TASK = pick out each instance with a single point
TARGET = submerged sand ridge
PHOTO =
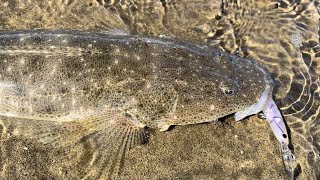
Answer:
(260, 30)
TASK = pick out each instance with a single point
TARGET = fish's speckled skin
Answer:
(65, 75)
(111, 82)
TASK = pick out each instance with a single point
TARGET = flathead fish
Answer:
(110, 87)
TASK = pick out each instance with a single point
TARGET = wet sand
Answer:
(232, 150)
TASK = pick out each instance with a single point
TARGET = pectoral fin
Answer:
(113, 134)
(110, 135)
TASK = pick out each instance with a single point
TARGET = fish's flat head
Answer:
(224, 85)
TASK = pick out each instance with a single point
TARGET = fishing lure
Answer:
(276, 122)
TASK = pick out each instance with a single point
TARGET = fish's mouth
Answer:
(257, 107)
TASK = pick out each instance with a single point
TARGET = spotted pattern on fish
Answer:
(115, 85)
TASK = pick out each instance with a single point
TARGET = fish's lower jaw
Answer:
(257, 107)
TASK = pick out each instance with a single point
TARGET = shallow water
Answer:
(281, 35)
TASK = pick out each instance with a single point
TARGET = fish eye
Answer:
(229, 92)
(228, 89)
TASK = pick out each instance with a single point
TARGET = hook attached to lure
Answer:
(274, 117)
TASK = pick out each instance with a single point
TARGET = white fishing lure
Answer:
(275, 119)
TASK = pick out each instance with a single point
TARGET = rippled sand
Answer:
(284, 37)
